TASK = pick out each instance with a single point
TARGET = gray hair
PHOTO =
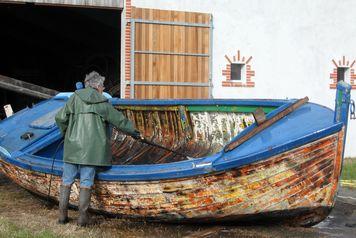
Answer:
(94, 80)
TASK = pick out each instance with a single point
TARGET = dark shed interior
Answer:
(55, 47)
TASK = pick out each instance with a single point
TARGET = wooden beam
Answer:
(116, 4)
(266, 124)
(26, 88)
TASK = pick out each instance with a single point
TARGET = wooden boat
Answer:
(285, 168)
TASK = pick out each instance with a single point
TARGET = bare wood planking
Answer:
(177, 16)
(164, 92)
(171, 68)
(166, 62)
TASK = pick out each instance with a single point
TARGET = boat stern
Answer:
(342, 104)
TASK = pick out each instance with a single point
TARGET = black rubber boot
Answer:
(84, 202)
(64, 193)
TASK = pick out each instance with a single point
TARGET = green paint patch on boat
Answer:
(148, 108)
(198, 108)
(218, 108)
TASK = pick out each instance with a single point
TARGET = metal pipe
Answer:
(132, 59)
(170, 53)
(211, 57)
(172, 23)
(171, 83)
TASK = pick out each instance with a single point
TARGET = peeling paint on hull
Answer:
(298, 186)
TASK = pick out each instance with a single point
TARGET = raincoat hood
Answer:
(90, 96)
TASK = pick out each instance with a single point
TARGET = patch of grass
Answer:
(349, 169)
(10, 230)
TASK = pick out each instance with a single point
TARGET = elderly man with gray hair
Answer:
(84, 123)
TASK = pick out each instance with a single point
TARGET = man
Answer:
(84, 122)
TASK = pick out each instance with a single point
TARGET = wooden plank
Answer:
(164, 92)
(178, 16)
(26, 88)
(266, 124)
(119, 4)
(165, 70)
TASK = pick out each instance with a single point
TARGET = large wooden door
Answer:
(170, 54)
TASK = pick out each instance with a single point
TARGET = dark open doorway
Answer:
(55, 47)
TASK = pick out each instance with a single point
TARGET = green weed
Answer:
(349, 169)
(10, 230)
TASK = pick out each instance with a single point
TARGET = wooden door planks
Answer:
(150, 67)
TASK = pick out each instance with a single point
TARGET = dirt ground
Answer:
(20, 209)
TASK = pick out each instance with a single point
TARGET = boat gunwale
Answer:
(25, 157)
(184, 102)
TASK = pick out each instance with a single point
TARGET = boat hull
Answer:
(297, 187)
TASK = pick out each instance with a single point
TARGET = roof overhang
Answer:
(116, 4)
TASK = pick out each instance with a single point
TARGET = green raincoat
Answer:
(84, 121)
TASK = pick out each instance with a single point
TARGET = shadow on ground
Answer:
(29, 212)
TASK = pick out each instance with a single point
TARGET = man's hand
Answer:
(137, 135)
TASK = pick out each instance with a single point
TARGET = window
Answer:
(343, 74)
(237, 72)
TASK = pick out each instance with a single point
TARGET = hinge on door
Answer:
(352, 110)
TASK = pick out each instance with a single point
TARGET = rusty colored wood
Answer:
(297, 186)
(266, 124)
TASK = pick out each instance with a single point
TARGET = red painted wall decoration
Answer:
(248, 73)
(347, 68)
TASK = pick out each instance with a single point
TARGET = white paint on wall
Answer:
(292, 44)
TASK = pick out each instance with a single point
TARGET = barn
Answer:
(180, 49)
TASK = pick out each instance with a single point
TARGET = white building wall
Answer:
(292, 44)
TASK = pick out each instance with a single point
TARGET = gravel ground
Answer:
(26, 211)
